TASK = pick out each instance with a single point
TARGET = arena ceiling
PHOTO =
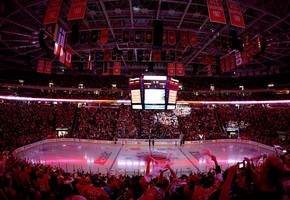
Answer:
(24, 39)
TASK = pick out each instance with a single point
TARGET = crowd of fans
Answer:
(27, 122)
(263, 177)
(24, 122)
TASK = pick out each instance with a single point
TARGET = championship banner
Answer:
(157, 55)
(68, 56)
(117, 68)
(104, 36)
(138, 36)
(164, 39)
(171, 69)
(126, 36)
(179, 69)
(148, 36)
(40, 65)
(192, 38)
(48, 66)
(183, 38)
(107, 55)
(236, 15)
(171, 38)
(77, 9)
(216, 11)
(106, 68)
(52, 12)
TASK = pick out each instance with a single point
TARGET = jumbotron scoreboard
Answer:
(153, 92)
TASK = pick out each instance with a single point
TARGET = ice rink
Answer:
(130, 159)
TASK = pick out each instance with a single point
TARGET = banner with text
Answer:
(216, 11)
(236, 15)
(52, 12)
(77, 9)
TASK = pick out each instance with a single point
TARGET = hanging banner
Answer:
(57, 49)
(171, 38)
(40, 65)
(171, 69)
(157, 55)
(59, 38)
(104, 36)
(62, 56)
(223, 67)
(216, 11)
(164, 39)
(183, 38)
(245, 57)
(236, 15)
(192, 37)
(179, 69)
(232, 61)
(227, 64)
(117, 68)
(77, 9)
(68, 56)
(90, 65)
(239, 59)
(107, 55)
(55, 32)
(126, 36)
(48, 66)
(209, 70)
(52, 12)
(148, 36)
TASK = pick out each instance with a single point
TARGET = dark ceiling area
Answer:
(24, 39)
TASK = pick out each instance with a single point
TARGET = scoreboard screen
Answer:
(172, 93)
(135, 92)
(153, 92)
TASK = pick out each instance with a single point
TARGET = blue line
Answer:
(189, 159)
(115, 158)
